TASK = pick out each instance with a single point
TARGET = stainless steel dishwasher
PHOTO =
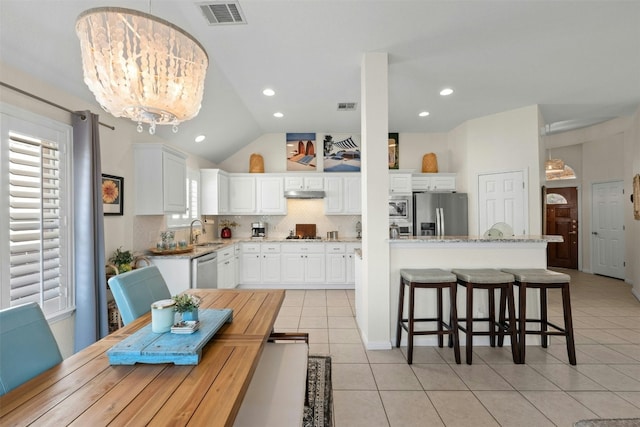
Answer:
(204, 272)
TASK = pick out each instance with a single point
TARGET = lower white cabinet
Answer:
(176, 272)
(250, 263)
(227, 278)
(296, 264)
(336, 262)
(270, 262)
(303, 263)
(260, 263)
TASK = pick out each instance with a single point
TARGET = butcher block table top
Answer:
(85, 389)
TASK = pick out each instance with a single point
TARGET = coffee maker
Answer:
(258, 230)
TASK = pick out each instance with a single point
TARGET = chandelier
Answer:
(141, 67)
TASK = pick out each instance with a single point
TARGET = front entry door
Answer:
(607, 233)
(562, 220)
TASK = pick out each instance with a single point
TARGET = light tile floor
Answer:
(378, 388)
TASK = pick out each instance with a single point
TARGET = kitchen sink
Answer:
(208, 245)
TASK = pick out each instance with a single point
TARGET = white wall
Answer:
(498, 143)
(601, 153)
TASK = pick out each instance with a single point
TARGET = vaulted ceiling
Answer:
(579, 60)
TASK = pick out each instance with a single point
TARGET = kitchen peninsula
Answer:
(459, 252)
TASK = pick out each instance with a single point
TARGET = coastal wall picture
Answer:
(301, 152)
(112, 194)
(341, 152)
(394, 151)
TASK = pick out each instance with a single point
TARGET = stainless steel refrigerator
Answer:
(440, 214)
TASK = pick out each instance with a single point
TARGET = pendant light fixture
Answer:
(141, 67)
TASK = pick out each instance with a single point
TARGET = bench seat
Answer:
(276, 394)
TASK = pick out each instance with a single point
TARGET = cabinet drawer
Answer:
(251, 248)
(296, 248)
(335, 248)
(225, 254)
(270, 248)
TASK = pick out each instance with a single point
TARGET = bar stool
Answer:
(540, 278)
(490, 280)
(430, 278)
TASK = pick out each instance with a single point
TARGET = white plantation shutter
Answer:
(193, 210)
(38, 264)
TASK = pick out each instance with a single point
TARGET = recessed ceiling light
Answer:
(446, 91)
(200, 138)
(278, 114)
(423, 114)
(268, 92)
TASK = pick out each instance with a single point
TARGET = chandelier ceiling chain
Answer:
(141, 67)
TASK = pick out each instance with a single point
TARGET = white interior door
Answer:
(502, 198)
(607, 235)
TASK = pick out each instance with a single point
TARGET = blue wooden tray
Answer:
(145, 346)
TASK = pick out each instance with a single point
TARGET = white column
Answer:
(374, 321)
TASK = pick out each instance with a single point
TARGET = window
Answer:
(193, 209)
(36, 201)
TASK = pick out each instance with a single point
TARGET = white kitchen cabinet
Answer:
(313, 182)
(434, 182)
(336, 262)
(343, 195)
(250, 263)
(176, 272)
(251, 195)
(227, 267)
(399, 183)
(270, 195)
(270, 262)
(242, 194)
(160, 175)
(303, 263)
(260, 263)
(351, 263)
(214, 193)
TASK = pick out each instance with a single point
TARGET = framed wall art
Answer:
(112, 194)
(301, 152)
(341, 153)
(394, 151)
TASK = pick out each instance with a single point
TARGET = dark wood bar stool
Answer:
(490, 280)
(543, 279)
(430, 278)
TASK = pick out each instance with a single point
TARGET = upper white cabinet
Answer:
(304, 182)
(214, 195)
(399, 183)
(242, 194)
(270, 195)
(343, 195)
(251, 194)
(160, 179)
(434, 182)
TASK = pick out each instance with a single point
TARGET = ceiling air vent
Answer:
(222, 13)
(347, 106)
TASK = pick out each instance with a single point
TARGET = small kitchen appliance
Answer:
(258, 230)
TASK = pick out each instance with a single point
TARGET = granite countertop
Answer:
(215, 245)
(478, 239)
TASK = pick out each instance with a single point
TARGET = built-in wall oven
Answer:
(401, 213)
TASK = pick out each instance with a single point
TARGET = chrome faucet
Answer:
(191, 239)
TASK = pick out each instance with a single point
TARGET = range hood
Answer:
(304, 194)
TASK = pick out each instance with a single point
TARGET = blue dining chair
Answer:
(27, 345)
(135, 291)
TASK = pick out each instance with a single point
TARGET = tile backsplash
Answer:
(147, 228)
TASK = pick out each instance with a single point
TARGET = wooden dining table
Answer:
(86, 390)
